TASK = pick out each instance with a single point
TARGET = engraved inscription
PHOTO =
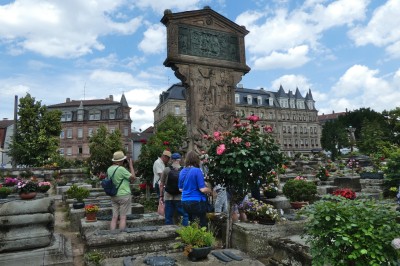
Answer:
(208, 43)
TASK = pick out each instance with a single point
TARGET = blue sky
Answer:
(346, 52)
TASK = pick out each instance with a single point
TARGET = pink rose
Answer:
(268, 129)
(248, 144)
(220, 149)
(253, 118)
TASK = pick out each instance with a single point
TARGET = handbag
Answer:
(161, 208)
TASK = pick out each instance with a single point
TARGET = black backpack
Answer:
(108, 185)
(172, 182)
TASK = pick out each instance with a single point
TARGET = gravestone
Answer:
(207, 53)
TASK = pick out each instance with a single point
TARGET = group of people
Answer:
(181, 189)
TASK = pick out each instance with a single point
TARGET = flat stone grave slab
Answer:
(352, 182)
(75, 215)
(182, 260)
(59, 253)
(134, 220)
(132, 241)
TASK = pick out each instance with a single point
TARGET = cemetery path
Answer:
(62, 226)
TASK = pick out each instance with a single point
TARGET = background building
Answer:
(293, 118)
(81, 118)
(6, 133)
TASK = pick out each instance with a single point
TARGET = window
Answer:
(287, 116)
(69, 151)
(311, 131)
(306, 142)
(90, 132)
(80, 133)
(261, 115)
(242, 113)
(94, 115)
(126, 115)
(315, 130)
(126, 147)
(79, 150)
(237, 98)
(295, 129)
(284, 129)
(111, 129)
(236, 113)
(62, 134)
(291, 103)
(301, 130)
(249, 99)
(270, 116)
(112, 114)
(296, 142)
(259, 100)
(69, 133)
(283, 116)
(312, 142)
(177, 110)
(271, 101)
(305, 129)
(66, 116)
(294, 117)
(288, 129)
(80, 115)
(61, 151)
(126, 131)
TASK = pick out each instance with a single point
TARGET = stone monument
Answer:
(207, 53)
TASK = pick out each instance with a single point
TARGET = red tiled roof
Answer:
(330, 116)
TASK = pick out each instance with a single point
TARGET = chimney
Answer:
(240, 86)
(333, 111)
(262, 89)
(111, 98)
(68, 100)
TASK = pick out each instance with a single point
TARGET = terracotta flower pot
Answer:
(91, 217)
(298, 204)
(27, 196)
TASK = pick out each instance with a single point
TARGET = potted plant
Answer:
(323, 174)
(27, 189)
(43, 186)
(10, 181)
(91, 211)
(270, 191)
(196, 240)
(299, 191)
(4, 192)
(259, 211)
(78, 193)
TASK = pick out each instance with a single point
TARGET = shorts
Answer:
(121, 205)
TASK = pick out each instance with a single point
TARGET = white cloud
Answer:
(154, 40)
(294, 57)
(174, 5)
(382, 30)
(115, 79)
(63, 29)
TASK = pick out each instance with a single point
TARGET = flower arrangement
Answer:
(256, 210)
(194, 236)
(299, 189)
(270, 190)
(353, 165)
(44, 186)
(323, 174)
(91, 208)
(347, 193)
(243, 154)
(10, 181)
(5, 191)
(26, 186)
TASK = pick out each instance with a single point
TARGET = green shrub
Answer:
(78, 193)
(299, 190)
(194, 236)
(94, 257)
(351, 232)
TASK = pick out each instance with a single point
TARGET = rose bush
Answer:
(240, 159)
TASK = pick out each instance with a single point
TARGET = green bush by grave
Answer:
(351, 232)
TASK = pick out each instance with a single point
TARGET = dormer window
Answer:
(249, 99)
(259, 100)
(94, 115)
(237, 98)
(66, 116)
(271, 101)
(112, 114)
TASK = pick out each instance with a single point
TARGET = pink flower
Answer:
(268, 129)
(245, 124)
(253, 118)
(220, 149)
(248, 144)
(236, 140)
(217, 134)
(205, 136)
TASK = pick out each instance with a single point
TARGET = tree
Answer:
(102, 147)
(37, 135)
(371, 137)
(171, 134)
(334, 137)
(393, 120)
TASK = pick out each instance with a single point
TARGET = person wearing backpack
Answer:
(170, 193)
(122, 202)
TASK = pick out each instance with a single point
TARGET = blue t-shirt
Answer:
(191, 180)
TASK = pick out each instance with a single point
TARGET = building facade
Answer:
(81, 118)
(6, 133)
(293, 118)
